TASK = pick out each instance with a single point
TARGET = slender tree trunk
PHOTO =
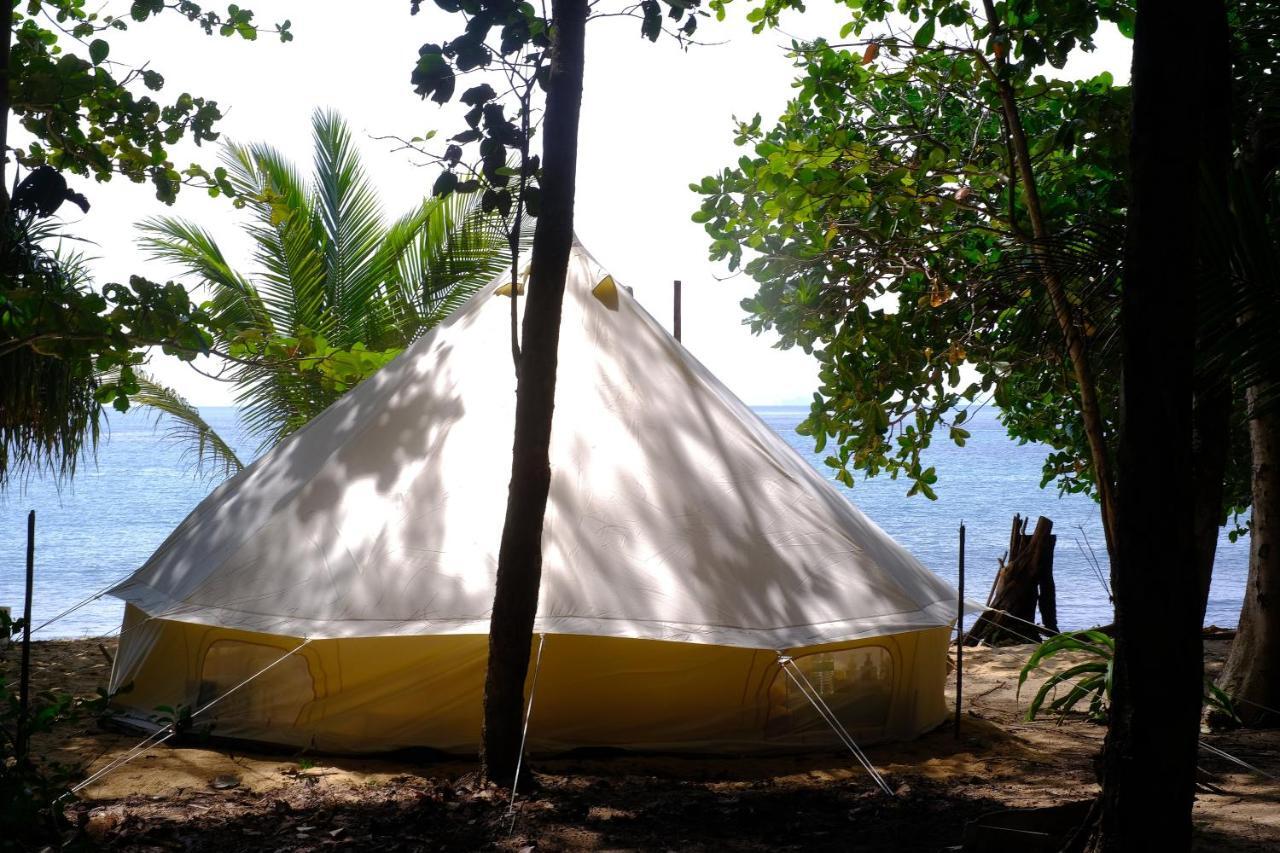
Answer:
(1252, 672)
(515, 602)
(1090, 408)
(1149, 761)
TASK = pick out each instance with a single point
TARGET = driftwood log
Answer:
(1023, 584)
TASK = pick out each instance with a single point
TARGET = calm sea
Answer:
(96, 530)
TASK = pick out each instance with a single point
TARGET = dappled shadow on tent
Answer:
(300, 539)
(674, 514)
(671, 499)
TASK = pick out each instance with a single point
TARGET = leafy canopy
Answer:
(882, 223)
(510, 39)
(87, 113)
(91, 113)
(57, 333)
(336, 291)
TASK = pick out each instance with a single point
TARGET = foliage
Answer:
(511, 37)
(1244, 343)
(57, 333)
(90, 113)
(204, 449)
(1036, 32)
(1091, 679)
(882, 223)
(33, 793)
(87, 114)
(336, 292)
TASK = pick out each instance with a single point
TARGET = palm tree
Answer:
(328, 272)
(49, 412)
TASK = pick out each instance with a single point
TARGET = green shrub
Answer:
(1092, 679)
(35, 793)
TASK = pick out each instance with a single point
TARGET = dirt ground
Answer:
(213, 798)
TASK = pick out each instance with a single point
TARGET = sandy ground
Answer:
(194, 797)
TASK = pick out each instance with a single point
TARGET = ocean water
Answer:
(97, 529)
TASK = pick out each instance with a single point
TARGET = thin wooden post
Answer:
(960, 633)
(675, 324)
(24, 677)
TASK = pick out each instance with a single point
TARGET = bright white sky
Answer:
(654, 119)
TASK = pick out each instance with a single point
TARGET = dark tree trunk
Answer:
(515, 601)
(1148, 776)
(1252, 672)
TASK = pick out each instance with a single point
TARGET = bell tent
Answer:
(336, 593)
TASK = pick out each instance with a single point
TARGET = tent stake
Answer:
(24, 682)
(675, 325)
(960, 633)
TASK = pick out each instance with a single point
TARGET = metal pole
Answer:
(24, 683)
(960, 634)
(675, 325)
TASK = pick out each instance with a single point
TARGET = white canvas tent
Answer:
(685, 546)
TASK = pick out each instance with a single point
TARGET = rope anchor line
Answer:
(524, 733)
(829, 717)
(162, 734)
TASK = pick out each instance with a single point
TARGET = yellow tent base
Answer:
(385, 693)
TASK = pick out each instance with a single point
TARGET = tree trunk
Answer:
(1023, 582)
(1252, 672)
(1090, 408)
(1149, 761)
(515, 601)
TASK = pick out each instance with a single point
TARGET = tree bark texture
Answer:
(1149, 762)
(1073, 337)
(1252, 671)
(515, 602)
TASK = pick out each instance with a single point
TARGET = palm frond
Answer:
(288, 237)
(203, 449)
(348, 207)
(49, 415)
(327, 264)
(194, 250)
(1244, 310)
(443, 253)
(1087, 259)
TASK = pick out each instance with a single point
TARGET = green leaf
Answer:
(651, 25)
(98, 50)
(924, 35)
(445, 184)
